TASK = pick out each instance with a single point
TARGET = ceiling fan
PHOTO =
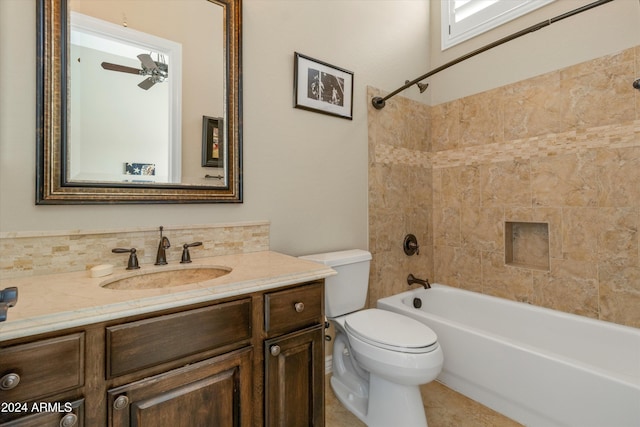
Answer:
(157, 71)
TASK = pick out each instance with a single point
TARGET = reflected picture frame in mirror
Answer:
(52, 183)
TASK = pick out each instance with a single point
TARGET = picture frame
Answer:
(322, 87)
(212, 142)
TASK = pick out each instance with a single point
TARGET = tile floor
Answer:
(444, 408)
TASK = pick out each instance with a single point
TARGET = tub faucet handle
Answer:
(410, 245)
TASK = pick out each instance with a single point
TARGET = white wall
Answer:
(305, 172)
(118, 123)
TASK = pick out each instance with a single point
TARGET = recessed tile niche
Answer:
(527, 244)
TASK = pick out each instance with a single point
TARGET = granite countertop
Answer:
(59, 301)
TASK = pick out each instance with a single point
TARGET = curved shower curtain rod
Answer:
(379, 102)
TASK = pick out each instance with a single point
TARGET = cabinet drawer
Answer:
(66, 414)
(293, 308)
(145, 343)
(42, 367)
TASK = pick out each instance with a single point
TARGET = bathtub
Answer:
(537, 366)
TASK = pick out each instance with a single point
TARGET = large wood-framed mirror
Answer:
(139, 102)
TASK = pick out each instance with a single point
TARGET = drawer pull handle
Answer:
(69, 420)
(121, 402)
(9, 381)
(299, 306)
(275, 350)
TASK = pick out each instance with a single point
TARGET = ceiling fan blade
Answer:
(120, 68)
(147, 61)
(146, 83)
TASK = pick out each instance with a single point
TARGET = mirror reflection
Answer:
(127, 75)
(139, 101)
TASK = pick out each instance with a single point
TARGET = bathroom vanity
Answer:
(242, 349)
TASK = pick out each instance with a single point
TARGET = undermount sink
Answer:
(166, 278)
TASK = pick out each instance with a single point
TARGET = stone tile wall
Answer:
(25, 254)
(400, 194)
(563, 149)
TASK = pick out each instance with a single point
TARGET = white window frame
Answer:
(483, 15)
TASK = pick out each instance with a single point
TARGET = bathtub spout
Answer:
(411, 279)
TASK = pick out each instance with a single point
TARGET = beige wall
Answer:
(305, 172)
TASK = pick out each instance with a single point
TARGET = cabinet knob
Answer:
(69, 420)
(9, 381)
(299, 306)
(275, 350)
(121, 402)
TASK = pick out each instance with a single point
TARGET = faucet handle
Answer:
(410, 245)
(133, 258)
(8, 298)
(186, 257)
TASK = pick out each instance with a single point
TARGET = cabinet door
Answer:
(214, 392)
(294, 379)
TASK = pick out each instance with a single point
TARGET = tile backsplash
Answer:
(35, 253)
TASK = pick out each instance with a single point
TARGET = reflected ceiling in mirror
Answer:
(138, 87)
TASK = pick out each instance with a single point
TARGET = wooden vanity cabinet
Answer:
(294, 357)
(252, 360)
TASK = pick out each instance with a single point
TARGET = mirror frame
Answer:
(52, 114)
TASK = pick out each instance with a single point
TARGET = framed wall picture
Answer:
(212, 142)
(322, 87)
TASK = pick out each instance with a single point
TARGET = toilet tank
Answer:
(346, 291)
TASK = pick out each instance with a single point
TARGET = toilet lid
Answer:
(391, 330)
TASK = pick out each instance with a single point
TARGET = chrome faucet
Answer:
(411, 279)
(161, 257)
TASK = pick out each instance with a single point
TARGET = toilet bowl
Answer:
(380, 358)
(377, 372)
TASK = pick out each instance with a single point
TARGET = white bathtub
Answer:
(537, 366)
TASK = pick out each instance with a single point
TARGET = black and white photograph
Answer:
(322, 87)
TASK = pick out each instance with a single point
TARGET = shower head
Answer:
(421, 86)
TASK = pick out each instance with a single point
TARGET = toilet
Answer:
(380, 358)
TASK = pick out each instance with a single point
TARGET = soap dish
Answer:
(101, 270)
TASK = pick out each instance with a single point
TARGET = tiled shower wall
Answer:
(400, 194)
(562, 149)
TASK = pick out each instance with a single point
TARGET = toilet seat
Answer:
(391, 331)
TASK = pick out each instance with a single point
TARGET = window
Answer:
(464, 19)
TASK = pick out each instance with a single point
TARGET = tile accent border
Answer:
(610, 136)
